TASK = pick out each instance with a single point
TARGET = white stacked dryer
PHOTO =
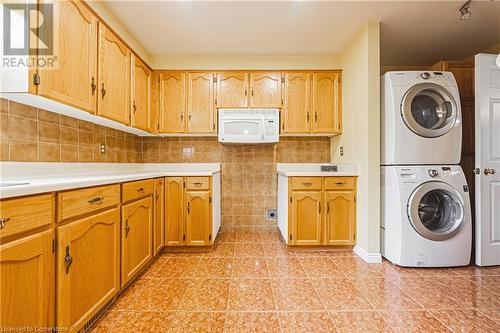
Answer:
(425, 202)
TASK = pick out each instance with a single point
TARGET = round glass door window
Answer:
(436, 211)
(429, 110)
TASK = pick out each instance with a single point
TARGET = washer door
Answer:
(436, 211)
(429, 110)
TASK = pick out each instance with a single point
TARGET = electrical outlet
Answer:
(271, 214)
(102, 148)
(342, 151)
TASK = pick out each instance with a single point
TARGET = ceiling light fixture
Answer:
(464, 10)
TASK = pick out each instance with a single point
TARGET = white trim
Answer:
(371, 258)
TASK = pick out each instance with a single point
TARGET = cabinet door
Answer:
(73, 81)
(232, 89)
(159, 216)
(174, 211)
(114, 77)
(296, 113)
(172, 102)
(200, 103)
(265, 90)
(198, 218)
(340, 218)
(326, 103)
(88, 267)
(27, 282)
(141, 90)
(306, 218)
(137, 224)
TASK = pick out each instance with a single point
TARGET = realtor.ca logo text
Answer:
(28, 36)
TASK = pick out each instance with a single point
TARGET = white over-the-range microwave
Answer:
(247, 126)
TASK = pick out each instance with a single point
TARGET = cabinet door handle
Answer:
(157, 197)
(96, 201)
(189, 117)
(327, 208)
(93, 86)
(127, 228)
(307, 116)
(182, 117)
(252, 92)
(3, 221)
(246, 92)
(315, 117)
(103, 91)
(140, 190)
(307, 184)
(134, 107)
(68, 260)
(189, 208)
(340, 183)
(319, 207)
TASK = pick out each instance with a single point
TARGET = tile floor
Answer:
(252, 283)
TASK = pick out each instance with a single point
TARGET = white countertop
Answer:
(49, 177)
(314, 169)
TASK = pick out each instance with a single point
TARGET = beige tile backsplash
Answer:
(249, 181)
(29, 134)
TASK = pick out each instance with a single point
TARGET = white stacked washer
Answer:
(425, 202)
(426, 216)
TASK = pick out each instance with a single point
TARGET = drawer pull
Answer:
(307, 184)
(3, 221)
(140, 190)
(198, 184)
(68, 260)
(127, 228)
(340, 183)
(96, 201)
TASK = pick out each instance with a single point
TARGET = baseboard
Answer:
(371, 258)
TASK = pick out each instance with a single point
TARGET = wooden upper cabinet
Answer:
(200, 103)
(326, 102)
(172, 102)
(232, 89)
(265, 89)
(306, 217)
(114, 77)
(88, 267)
(141, 95)
(27, 282)
(296, 114)
(340, 218)
(174, 211)
(198, 219)
(74, 80)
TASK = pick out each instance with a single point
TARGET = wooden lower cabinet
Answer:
(88, 267)
(306, 217)
(27, 283)
(188, 205)
(159, 215)
(198, 219)
(323, 215)
(136, 244)
(340, 218)
(174, 211)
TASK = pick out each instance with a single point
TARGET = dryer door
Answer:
(436, 211)
(429, 110)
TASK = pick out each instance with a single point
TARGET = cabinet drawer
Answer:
(197, 183)
(138, 189)
(23, 214)
(83, 201)
(339, 183)
(306, 183)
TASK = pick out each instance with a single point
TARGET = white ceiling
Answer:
(412, 33)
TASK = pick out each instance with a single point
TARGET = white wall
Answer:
(360, 62)
(208, 62)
